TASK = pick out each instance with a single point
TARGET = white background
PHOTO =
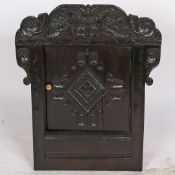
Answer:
(15, 106)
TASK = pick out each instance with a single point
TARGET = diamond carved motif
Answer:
(86, 89)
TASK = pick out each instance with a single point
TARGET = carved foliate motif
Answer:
(87, 21)
(144, 27)
(32, 27)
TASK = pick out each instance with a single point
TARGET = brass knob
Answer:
(48, 87)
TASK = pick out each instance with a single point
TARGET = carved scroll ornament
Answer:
(87, 21)
(24, 61)
(152, 61)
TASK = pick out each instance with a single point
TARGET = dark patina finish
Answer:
(88, 66)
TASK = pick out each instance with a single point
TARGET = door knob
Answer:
(49, 87)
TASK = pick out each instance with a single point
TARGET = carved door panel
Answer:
(90, 88)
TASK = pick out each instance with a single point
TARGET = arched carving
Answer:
(88, 21)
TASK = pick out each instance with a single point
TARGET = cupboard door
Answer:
(90, 88)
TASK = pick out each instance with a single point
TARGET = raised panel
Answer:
(75, 103)
(91, 88)
(85, 147)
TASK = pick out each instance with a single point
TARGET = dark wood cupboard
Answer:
(87, 66)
